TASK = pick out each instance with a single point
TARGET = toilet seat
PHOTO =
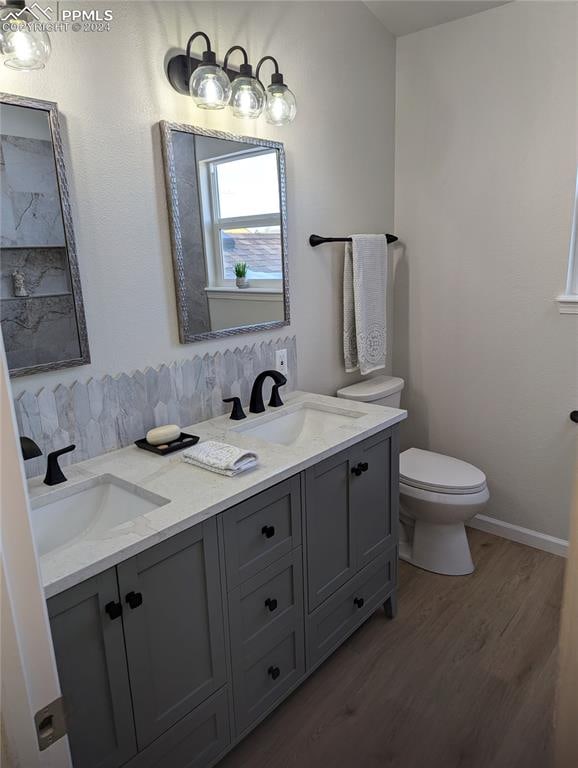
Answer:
(436, 473)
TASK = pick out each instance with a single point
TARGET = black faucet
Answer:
(54, 475)
(256, 405)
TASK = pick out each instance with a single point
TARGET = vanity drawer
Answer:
(193, 742)
(330, 624)
(260, 530)
(267, 603)
(270, 672)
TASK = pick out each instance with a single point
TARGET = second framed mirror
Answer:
(227, 206)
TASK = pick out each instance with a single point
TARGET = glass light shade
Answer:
(247, 97)
(22, 47)
(281, 105)
(210, 87)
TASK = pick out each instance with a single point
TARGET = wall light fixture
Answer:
(22, 44)
(209, 84)
(247, 94)
(281, 105)
(214, 87)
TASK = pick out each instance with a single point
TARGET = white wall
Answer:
(112, 91)
(485, 171)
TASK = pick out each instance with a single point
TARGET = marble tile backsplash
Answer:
(101, 415)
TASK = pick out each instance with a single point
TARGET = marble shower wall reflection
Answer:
(101, 415)
(41, 313)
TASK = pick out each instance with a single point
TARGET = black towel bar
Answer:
(315, 240)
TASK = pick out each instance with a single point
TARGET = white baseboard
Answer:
(521, 535)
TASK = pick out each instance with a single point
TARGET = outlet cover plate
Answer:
(281, 361)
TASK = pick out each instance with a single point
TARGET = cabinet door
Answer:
(91, 660)
(373, 494)
(330, 552)
(173, 623)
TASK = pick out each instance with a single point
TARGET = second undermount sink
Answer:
(298, 423)
(88, 508)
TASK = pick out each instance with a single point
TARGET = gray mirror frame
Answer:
(52, 109)
(186, 336)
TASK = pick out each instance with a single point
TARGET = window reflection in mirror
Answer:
(225, 199)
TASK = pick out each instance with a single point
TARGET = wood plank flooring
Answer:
(464, 677)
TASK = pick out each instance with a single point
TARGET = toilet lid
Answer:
(440, 474)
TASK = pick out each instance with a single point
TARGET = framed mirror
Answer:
(41, 309)
(228, 219)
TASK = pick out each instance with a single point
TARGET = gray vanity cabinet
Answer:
(351, 503)
(173, 656)
(173, 626)
(89, 646)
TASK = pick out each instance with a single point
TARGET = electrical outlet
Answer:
(281, 361)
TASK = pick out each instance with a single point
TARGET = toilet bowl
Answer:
(438, 494)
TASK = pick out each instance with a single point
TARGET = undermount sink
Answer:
(86, 509)
(298, 423)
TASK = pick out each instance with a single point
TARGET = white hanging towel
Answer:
(364, 293)
(222, 458)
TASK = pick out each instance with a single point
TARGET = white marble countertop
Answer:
(193, 494)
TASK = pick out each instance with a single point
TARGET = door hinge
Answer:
(50, 724)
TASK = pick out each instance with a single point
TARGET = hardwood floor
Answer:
(464, 677)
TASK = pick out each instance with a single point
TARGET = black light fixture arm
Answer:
(245, 69)
(209, 56)
(276, 77)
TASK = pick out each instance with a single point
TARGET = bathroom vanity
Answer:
(187, 630)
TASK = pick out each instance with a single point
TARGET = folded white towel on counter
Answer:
(220, 457)
(364, 297)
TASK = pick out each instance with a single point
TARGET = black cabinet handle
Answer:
(134, 599)
(271, 604)
(268, 531)
(113, 609)
(356, 470)
(359, 602)
(364, 466)
(274, 672)
(574, 417)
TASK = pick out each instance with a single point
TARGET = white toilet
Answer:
(438, 494)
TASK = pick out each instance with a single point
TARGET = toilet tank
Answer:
(381, 390)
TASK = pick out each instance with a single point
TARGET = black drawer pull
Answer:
(268, 531)
(134, 599)
(359, 602)
(364, 466)
(113, 609)
(574, 417)
(356, 470)
(274, 672)
(271, 604)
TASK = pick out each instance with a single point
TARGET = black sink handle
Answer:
(237, 413)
